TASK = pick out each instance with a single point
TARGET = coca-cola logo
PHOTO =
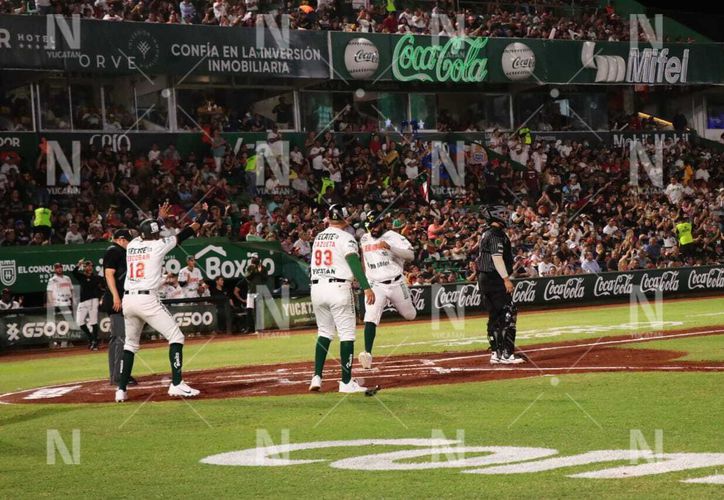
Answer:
(524, 292)
(668, 281)
(713, 278)
(523, 62)
(572, 288)
(363, 55)
(619, 285)
(418, 298)
(460, 296)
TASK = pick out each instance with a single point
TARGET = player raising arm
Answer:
(141, 303)
(335, 262)
(384, 254)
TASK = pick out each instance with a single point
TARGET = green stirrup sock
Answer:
(320, 354)
(346, 354)
(370, 332)
(176, 356)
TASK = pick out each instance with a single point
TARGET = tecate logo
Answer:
(572, 288)
(524, 292)
(460, 296)
(667, 282)
(646, 66)
(620, 285)
(714, 278)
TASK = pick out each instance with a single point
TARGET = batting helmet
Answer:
(337, 211)
(372, 218)
(149, 229)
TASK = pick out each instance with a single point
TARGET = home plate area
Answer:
(603, 355)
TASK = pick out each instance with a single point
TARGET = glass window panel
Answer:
(54, 105)
(120, 108)
(423, 108)
(15, 109)
(152, 112)
(86, 102)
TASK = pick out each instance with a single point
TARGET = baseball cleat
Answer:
(371, 391)
(316, 384)
(365, 359)
(121, 396)
(351, 387)
(182, 390)
(512, 359)
(495, 358)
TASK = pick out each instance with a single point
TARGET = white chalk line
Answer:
(264, 376)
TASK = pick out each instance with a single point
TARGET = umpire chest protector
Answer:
(494, 241)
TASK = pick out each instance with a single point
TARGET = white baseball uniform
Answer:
(141, 303)
(169, 291)
(384, 269)
(192, 278)
(87, 311)
(61, 291)
(332, 296)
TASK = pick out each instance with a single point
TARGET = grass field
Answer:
(154, 449)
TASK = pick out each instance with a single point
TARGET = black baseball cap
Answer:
(122, 233)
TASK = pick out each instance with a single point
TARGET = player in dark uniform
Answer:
(91, 289)
(495, 263)
(114, 272)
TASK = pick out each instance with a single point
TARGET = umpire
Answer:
(495, 263)
(114, 271)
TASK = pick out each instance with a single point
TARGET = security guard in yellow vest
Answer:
(525, 135)
(686, 239)
(250, 173)
(41, 221)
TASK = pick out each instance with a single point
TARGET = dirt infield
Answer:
(555, 359)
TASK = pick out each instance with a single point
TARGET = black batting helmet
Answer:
(337, 211)
(491, 217)
(149, 229)
(372, 218)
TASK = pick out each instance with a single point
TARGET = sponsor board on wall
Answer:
(37, 327)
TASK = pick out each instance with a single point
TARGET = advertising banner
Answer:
(284, 313)
(425, 58)
(72, 44)
(38, 328)
(27, 269)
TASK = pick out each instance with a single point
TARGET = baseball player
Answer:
(190, 277)
(335, 262)
(384, 254)
(141, 304)
(86, 316)
(8, 302)
(495, 263)
(59, 289)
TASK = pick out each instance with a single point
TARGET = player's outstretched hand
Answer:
(164, 210)
(369, 296)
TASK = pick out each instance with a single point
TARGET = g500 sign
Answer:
(480, 459)
(458, 60)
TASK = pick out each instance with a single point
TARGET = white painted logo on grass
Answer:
(494, 460)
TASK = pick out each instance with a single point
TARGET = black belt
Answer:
(389, 282)
(137, 292)
(329, 280)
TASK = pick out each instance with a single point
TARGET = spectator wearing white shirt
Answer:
(674, 191)
(546, 267)
(589, 264)
(73, 236)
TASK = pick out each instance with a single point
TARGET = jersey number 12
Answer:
(137, 270)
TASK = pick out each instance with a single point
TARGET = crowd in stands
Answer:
(579, 19)
(570, 205)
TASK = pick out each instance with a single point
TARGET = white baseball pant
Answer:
(139, 309)
(334, 310)
(250, 300)
(87, 310)
(397, 294)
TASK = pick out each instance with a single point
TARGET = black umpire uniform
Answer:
(115, 258)
(502, 313)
